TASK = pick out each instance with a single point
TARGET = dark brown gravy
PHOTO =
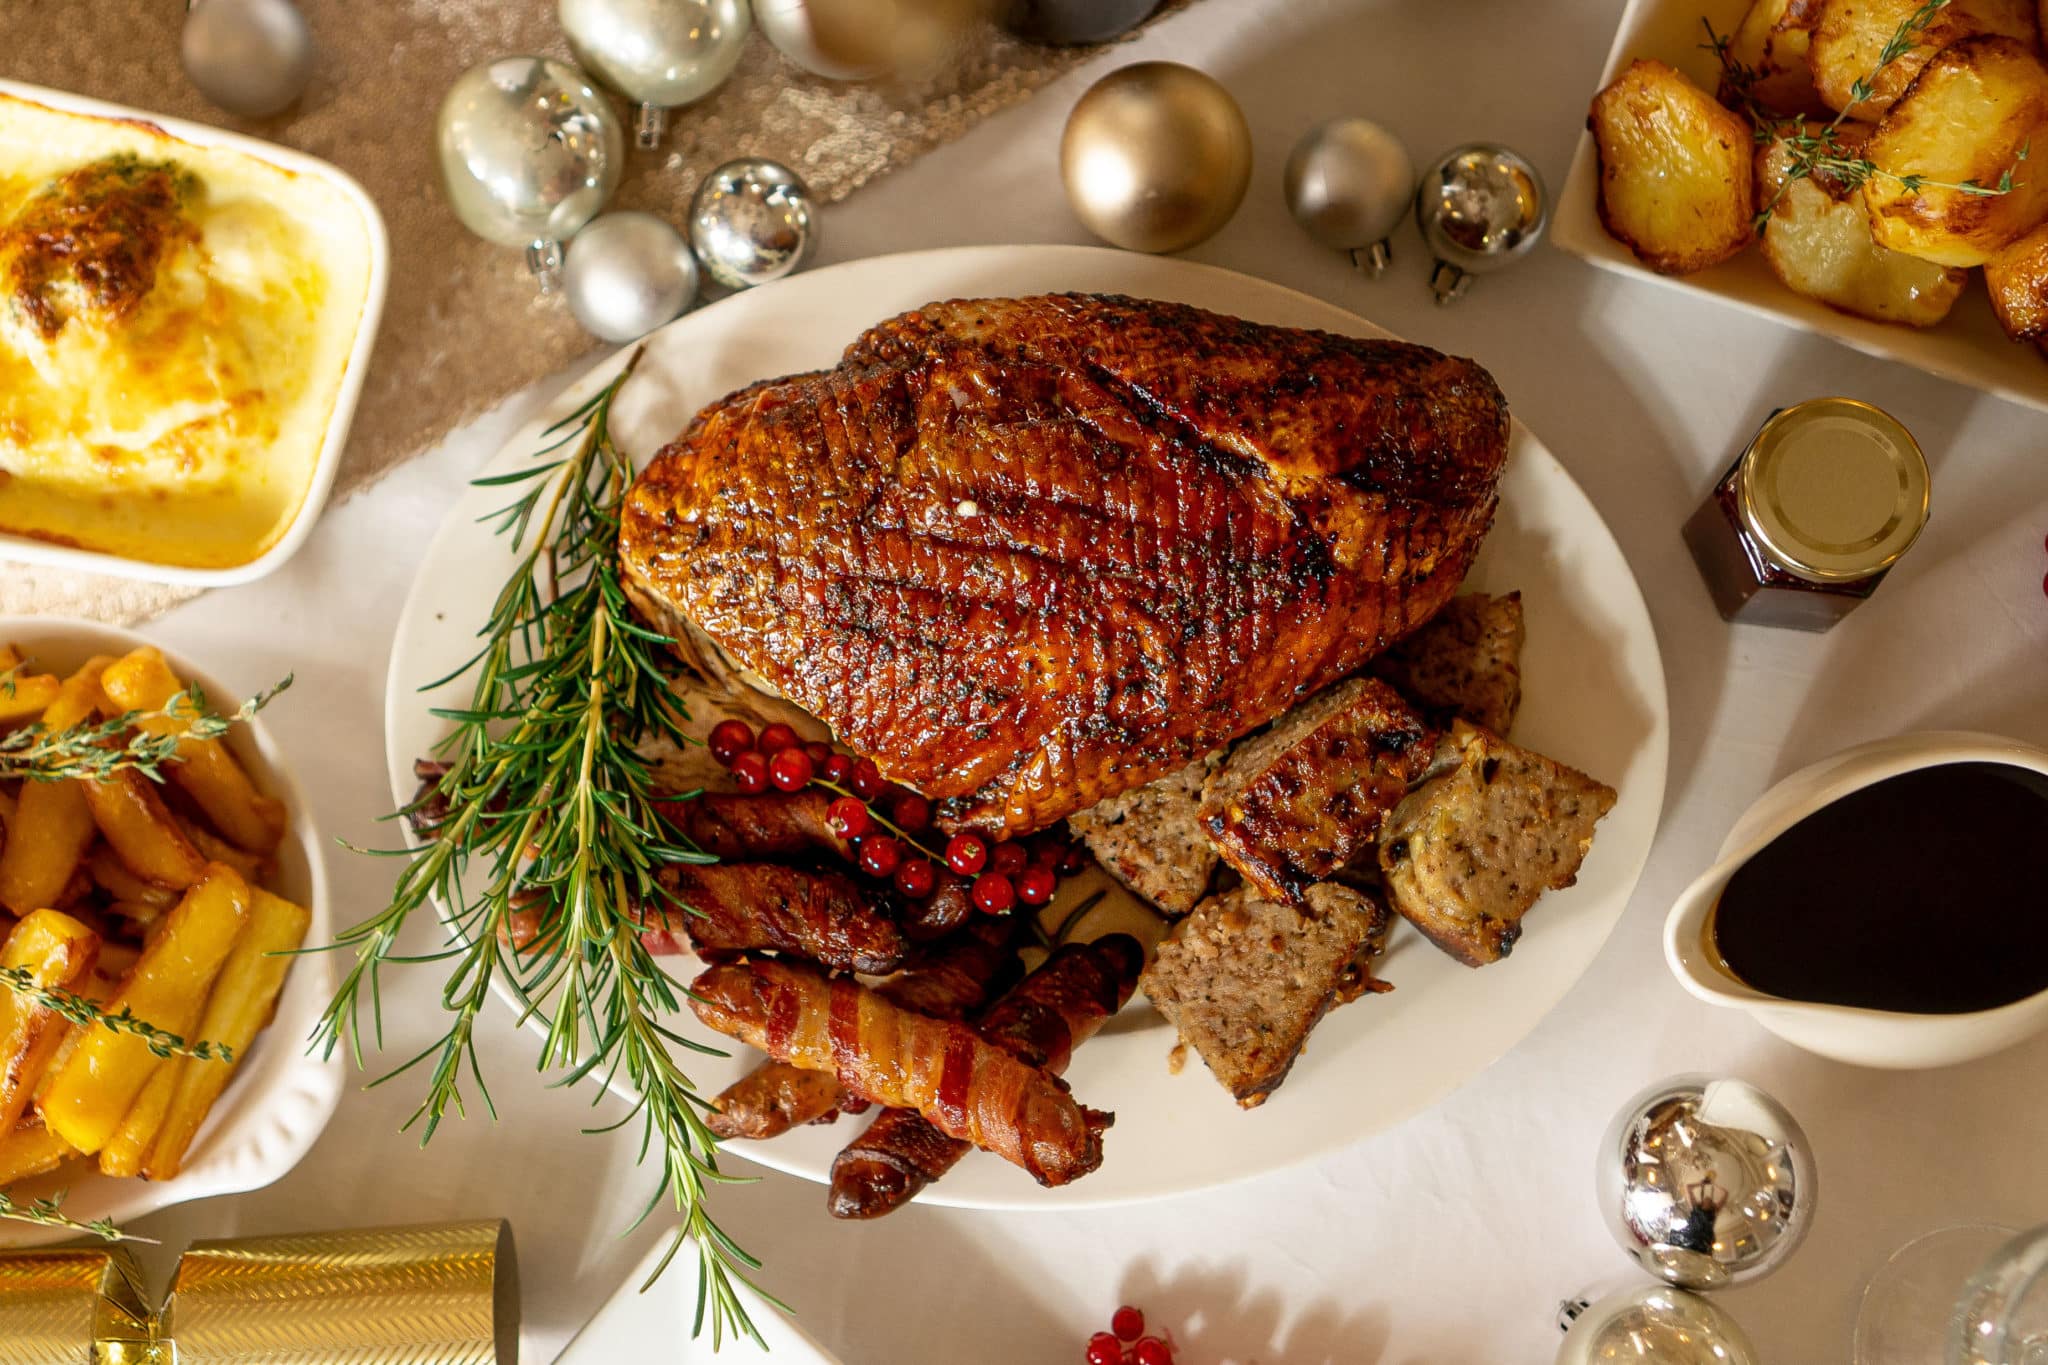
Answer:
(1926, 893)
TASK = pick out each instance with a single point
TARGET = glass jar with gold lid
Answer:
(1812, 515)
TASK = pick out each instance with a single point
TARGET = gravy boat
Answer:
(1861, 1037)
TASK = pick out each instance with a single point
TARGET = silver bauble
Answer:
(1706, 1182)
(660, 54)
(627, 274)
(1156, 157)
(1480, 207)
(250, 57)
(530, 151)
(1349, 182)
(1653, 1325)
(752, 221)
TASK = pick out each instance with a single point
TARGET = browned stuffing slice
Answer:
(1292, 806)
(1243, 979)
(1467, 661)
(1468, 852)
(1149, 840)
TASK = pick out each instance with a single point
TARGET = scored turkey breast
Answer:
(1029, 553)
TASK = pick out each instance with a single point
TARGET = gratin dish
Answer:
(280, 1097)
(1967, 347)
(332, 433)
(1861, 1037)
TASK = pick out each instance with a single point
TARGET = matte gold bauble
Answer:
(1156, 157)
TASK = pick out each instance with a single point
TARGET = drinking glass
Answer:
(1976, 1294)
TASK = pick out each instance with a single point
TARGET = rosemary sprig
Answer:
(83, 1012)
(94, 751)
(546, 795)
(1823, 155)
(48, 1213)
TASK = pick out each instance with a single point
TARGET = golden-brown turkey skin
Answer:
(1029, 553)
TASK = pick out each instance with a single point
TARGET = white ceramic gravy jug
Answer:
(1862, 1037)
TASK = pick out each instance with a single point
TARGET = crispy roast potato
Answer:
(1770, 47)
(1676, 185)
(2018, 280)
(1977, 110)
(55, 950)
(1851, 35)
(1818, 242)
(52, 825)
(205, 769)
(144, 834)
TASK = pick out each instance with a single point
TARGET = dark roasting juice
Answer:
(1926, 893)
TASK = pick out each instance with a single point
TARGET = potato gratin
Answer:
(175, 324)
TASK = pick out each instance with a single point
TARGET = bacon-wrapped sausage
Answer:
(733, 827)
(947, 980)
(968, 1088)
(1041, 1021)
(726, 908)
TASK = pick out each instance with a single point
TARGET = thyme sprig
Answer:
(94, 751)
(76, 1009)
(48, 1213)
(1823, 155)
(547, 797)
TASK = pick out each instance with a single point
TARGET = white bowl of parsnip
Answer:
(278, 1097)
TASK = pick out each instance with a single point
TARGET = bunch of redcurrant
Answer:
(1125, 1343)
(1002, 876)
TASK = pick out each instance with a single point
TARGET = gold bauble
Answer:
(1156, 157)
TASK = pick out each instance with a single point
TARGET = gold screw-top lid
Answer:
(1835, 490)
(69, 1307)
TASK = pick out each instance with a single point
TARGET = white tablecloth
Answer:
(1451, 1238)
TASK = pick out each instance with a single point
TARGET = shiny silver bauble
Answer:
(1480, 207)
(752, 221)
(530, 151)
(1156, 157)
(1349, 182)
(627, 274)
(250, 57)
(1706, 1182)
(660, 54)
(1653, 1325)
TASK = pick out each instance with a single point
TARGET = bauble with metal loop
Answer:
(1481, 208)
(752, 221)
(250, 57)
(1349, 183)
(530, 151)
(1654, 1325)
(1156, 157)
(628, 273)
(660, 54)
(1706, 1182)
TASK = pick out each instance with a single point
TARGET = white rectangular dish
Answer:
(1968, 347)
(654, 1323)
(209, 462)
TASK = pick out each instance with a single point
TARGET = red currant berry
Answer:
(1035, 885)
(1128, 1323)
(911, 812)
(775, 738)
(1073, 860)
(818, 751)
(847, 817)
(916, 878)
(837, 768)
(966, 854)
(1008, 859)
(867, 780)
(729, 739)
(993, 893)
(2044, 585)
(1104, 1349)
(880, 854)
(750, 772)
(790, 769)
(1152, 1351)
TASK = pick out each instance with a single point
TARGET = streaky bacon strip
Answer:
(969, 1089)
(823, 916)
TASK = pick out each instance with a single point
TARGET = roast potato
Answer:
(2018, 280)
(1976, 111)
(1850, 36)
(1676, 184)
(1769, 47)
(1818, 243)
